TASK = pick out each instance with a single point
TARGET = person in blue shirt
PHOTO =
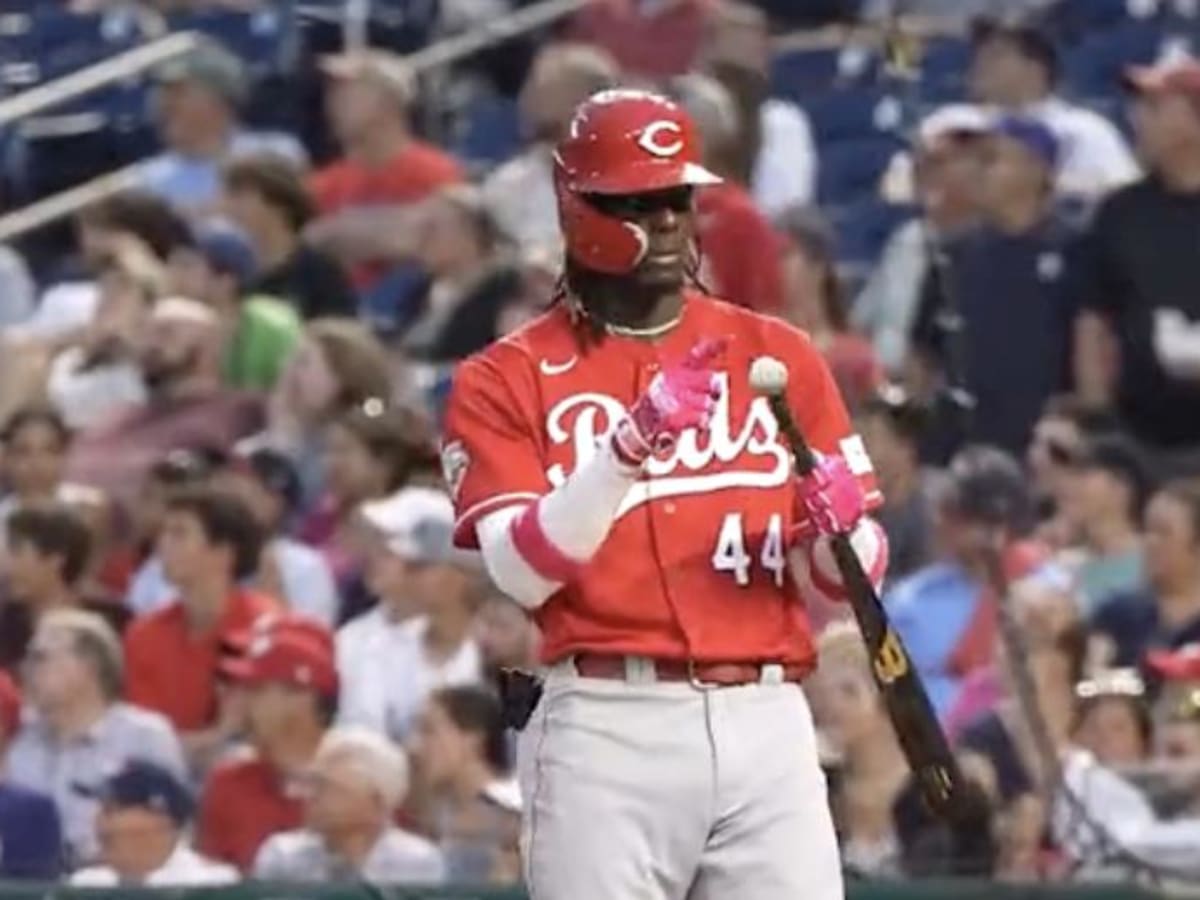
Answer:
(30, 833)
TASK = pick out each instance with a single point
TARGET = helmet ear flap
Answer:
(594, 240)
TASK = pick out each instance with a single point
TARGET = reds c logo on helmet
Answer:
(620, 142)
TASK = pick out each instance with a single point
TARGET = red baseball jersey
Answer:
(695, 566)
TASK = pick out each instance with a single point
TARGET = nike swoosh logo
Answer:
(549, 368)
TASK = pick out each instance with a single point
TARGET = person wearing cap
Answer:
(199, 96)
(419, 637)
(1137, 349)
(179, 355)
(284, 668)
(1008, 283)
(259, 332)
(384, 164)
(268, 484)
(1113, 717)
(30, 832)
(267, 197)
(356, 782)
(520, 192)
(944, 611)
(1177, 711)
(1105, 500)
(77, 725)
(947, 169)
(1014, 69)
(142, 823)
(1165, 612)
(742, 253)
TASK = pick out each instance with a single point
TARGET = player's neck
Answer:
(638, 315)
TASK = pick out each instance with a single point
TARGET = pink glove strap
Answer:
(829, 500)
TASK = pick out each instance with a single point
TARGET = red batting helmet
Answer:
(620, 142)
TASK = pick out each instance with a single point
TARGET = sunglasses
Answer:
(625, 206)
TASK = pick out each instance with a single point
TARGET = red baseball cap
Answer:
(287, 657)
(239, 642)
(10, 705)
(1180, 75)
(1176, 665)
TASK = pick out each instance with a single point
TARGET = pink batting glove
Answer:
(679, 397)
(829, 500)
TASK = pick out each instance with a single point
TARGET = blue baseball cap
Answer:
(227, 250)
(142, 784)
(1034, 135)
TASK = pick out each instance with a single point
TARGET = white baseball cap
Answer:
(416, 522)
(953, 119)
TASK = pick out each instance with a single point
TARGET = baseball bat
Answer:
(921, 738)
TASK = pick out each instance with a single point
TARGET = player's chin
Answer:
(661, 272)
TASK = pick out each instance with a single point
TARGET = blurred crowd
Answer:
(235, 638)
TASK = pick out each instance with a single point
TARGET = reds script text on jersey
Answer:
(695, 566)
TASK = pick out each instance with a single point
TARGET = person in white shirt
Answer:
(520, 193)
(1014, 68)
(144, 811)
(357, 781)
(420, 637)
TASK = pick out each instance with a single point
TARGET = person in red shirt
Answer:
(738, 246)
(384, 165)
(651, 40)
(208, 541)
(287, 672)
(627, 486)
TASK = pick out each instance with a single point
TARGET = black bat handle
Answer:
(805, 459)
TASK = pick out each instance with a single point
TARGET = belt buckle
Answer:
(694, 680)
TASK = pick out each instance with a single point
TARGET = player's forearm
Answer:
(814, 566)
(532, 551)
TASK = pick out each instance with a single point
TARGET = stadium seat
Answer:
(863, 228)
(1093, 67)
(943, 70)
(851, 169)
(265, 39)
(489, 132)
(1073, 19)
(798, 73)
(853, 113)
(49, 42)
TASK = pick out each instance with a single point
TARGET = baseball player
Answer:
(626, 486)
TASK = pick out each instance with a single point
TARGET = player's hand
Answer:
(829, 500)
(680, 397)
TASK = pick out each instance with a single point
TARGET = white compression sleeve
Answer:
(569, 524)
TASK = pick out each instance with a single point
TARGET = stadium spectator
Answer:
(149, 589)
(507, 637)
(775, 156)
(180, 361)
(49, 547)
(96, 376)
(267, 483)
(739, 251)
(29, 825)
(384, 164)
(472, 803)
(208, 542)
(81, 731)
(142, 827)
(1114, 720)
(1142, 285)
(944, 612)
(370, 453)
(268, 200)
(337, 367)
(537, 271)
(1166, 612)
(419, 637)
(1010, 283)
(287, 674)
(813, 300)
(1176, 717)
(870, 770)
(18, 296)
(947, 171)
(891, 423)
(36, 441)
(651, 41)
(1057, 438)
(358, 779)
(520, 193)
(1106, 498)
(197, 104)
(1015, 67)
(259, 333)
